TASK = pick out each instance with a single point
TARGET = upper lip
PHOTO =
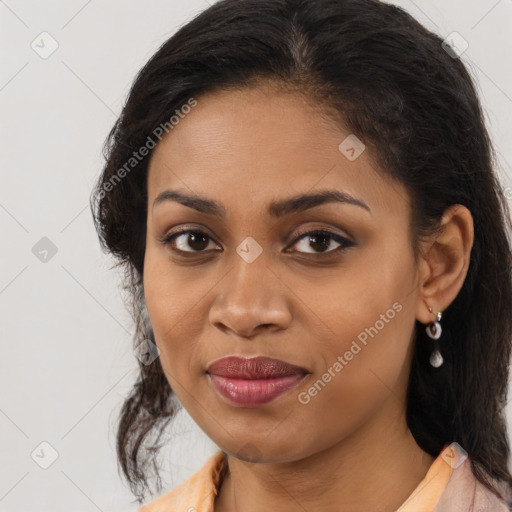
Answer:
(253, 368)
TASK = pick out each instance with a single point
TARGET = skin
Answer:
(349, 447)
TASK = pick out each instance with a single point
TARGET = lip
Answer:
(253, 368)
(250, 382)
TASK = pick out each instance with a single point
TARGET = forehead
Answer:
(234, 119)
(251, 143)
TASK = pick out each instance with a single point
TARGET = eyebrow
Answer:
(276, 209)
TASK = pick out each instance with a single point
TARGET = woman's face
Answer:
(341, 306)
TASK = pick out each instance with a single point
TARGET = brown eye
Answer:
(189, 241)
(322, 241)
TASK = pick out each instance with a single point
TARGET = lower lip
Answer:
(253, 392)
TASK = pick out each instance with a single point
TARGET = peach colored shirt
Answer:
(448, 486)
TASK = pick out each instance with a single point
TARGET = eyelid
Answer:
(296, 236)
(327, 230)
(344, 241)
(181, 230)
(185, 228)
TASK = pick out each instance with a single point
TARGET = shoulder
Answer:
(465, 493)
(487, 501)
(196, 494)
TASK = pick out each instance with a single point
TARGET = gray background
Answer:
(66, 360)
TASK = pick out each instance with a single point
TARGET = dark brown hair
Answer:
(416, 107)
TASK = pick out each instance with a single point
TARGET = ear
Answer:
(444, 262)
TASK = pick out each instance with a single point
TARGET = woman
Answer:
(302, 195)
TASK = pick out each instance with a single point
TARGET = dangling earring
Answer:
(434, 332)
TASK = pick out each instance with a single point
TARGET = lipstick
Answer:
(250, 382)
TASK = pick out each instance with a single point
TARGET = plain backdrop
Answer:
(66, 359)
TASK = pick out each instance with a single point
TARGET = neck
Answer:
(362, 472)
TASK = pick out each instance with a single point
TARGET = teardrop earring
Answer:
(434, 331)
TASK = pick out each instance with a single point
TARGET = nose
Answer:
(250, 298)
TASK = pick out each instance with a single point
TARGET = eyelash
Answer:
(345, 243)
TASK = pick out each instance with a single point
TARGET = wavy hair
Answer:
(415, 106)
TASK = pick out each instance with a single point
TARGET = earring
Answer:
(434, 332)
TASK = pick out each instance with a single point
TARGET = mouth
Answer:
(250, 382)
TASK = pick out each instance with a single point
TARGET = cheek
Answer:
(364, 367)
(364, 302)
(176, 312)
(369, 315)
(367, 351)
